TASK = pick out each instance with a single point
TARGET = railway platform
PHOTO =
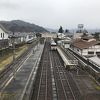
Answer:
(43, 77)
(67, 63)
(19, 85)
(54, 82)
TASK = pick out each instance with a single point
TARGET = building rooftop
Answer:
(87, 37)
(79, 43)
(4, 29)
(82, 31)
(96, 60)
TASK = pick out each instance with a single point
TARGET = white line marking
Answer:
(8, 81)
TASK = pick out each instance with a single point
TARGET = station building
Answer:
(4, 43)
(86, 46)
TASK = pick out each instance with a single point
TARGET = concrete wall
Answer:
(84, 52)
(66, 45)
(49, 35)
(77, 35)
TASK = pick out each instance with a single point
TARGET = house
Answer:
(3, 38)
(86, 46)
(60, 35)
(3, 33)
(22, 37)
(6, 37)
(69, 34)
(65, 42)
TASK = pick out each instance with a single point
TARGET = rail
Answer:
(42, 89)
(16, 62)
(85, 61)
(66, 57)
(63, 75)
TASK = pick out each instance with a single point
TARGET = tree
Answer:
(66, 31)
(96, 35)
(84, 34)
(38, 35)
(60, 30)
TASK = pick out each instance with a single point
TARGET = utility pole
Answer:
(13, 45)
(12, 38)
(2, 43)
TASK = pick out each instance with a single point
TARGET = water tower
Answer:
(80, 27)
(79, 32)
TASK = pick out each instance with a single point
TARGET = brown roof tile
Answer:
(84, 44)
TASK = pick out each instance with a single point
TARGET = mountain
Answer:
(51, 30)
(21, 26)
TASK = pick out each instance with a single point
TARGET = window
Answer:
(30, 36)
(78, 50)
(90, 52)
(98, 53)
(1, 35)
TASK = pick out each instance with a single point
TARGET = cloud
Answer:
(8, 4)
(52, 13)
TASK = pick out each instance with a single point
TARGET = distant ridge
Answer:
(91, 31)
(21, 26)
(51, 30)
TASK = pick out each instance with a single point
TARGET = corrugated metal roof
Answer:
(95, 60)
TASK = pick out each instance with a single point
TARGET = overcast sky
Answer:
(53, 13)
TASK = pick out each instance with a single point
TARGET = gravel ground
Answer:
(86, 85)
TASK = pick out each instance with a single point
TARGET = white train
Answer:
(53, 45)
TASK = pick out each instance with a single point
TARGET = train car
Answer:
(30, 41)
(53, 46)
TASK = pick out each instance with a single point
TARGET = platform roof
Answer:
(95, 60)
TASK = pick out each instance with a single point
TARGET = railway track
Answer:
(85, 60)
(69, 90)
(52, 81)
(43, 84)
(7, 73)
